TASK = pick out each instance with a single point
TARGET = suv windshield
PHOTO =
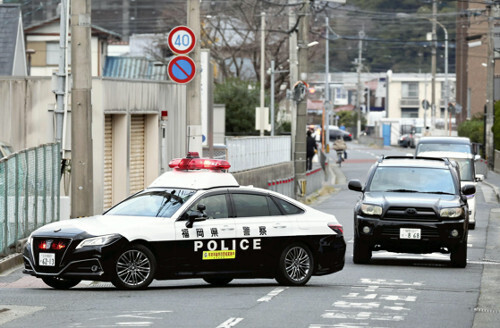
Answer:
(455, 147)
(412, 179)
(159, 203)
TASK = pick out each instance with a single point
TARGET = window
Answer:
(409, 90)
(287, 207)
(409, 112)
(340, 93)
(52, 55)
(160, 203)
(247, 205)
(215, 206)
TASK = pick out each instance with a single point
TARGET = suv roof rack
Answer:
(383, 157)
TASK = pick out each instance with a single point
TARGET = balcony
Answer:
(409, 102)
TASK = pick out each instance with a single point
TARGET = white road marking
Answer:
(272, 294)
(135, 324)
(231, 322)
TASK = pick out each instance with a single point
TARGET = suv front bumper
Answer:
(437, 236)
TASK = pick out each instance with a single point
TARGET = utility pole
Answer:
(193, 97)
(490, 95)
(360, 90)
(294, 75)
(433, 65)
(82, 184)
(61, 74)
(262, 70)
(326, 129)
(300, 131)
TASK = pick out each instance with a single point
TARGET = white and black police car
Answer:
(195, 221)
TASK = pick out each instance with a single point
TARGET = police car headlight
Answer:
(452, 212)
(98, 241)
(369, 209)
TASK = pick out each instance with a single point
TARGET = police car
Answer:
(195, 221)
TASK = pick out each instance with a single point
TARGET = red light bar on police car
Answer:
(193, 162)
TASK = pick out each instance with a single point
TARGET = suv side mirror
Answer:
(477, 157)
(468, 190)
(355, 185)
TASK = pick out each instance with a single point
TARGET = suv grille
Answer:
(411, 214)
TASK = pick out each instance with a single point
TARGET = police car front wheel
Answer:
(135, 268)
(295, 266)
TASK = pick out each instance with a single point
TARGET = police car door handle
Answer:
(227, 228)
(279, 226)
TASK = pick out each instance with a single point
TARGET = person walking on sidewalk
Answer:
(311, 149)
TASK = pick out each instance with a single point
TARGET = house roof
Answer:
(10, 14)
(96, 30)
(139, 68)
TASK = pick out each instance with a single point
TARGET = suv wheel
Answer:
(459, 256)
(362, 253)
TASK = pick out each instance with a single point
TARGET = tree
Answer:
(473, 129)
(241, 98)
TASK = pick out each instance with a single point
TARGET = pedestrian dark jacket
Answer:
(311, 146)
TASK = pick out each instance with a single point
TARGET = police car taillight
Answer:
(337, 228)
(193, 162)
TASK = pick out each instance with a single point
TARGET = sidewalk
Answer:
(488, 308)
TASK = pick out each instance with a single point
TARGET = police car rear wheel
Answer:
(60, 283)
(295, 266)
(135, 268)
(218, 281)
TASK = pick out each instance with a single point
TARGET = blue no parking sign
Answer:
(181, 69)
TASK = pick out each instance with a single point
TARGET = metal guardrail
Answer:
(247, 153)
(314, 182)
(29, 192)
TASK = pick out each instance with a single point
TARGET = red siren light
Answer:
(193, 162)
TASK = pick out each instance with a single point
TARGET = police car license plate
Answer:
(406, 233)
(47, 259)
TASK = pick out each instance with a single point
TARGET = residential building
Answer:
(12, 49)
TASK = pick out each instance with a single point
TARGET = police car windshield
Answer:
(158, 203)
(412, 179)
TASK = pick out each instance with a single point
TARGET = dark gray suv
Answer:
(412, 205)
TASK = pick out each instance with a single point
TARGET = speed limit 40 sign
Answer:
(181, 40)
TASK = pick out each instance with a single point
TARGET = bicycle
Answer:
(340, 157)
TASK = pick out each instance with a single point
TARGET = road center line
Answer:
(231, 322)
(272, 294)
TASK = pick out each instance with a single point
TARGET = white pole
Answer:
(262, 71)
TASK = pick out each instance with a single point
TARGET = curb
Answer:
(495, 189)
(10, 261)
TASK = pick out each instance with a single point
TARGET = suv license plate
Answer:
(405, 233)
(47, 259)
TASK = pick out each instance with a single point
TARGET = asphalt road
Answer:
(394, 290)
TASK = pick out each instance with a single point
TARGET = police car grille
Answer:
(402, 214)
(59, 253)
(425, 232)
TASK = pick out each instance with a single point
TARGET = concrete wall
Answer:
(260, 177)
(371, 141)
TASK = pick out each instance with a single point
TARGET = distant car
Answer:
(412, 205)
(444, 144)
(193, 222)
(467, 173)
(335, 133)
(407, 140)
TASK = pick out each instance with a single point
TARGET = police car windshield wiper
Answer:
(402, 190)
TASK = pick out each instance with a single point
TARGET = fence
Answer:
(252, 152)
(29, 192)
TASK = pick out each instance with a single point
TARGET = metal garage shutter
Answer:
(108, 162)
(137, 153)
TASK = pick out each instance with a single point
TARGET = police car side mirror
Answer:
(198, 215)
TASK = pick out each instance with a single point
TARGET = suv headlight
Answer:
(369, 209)
(98, 241)
(452, 212)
